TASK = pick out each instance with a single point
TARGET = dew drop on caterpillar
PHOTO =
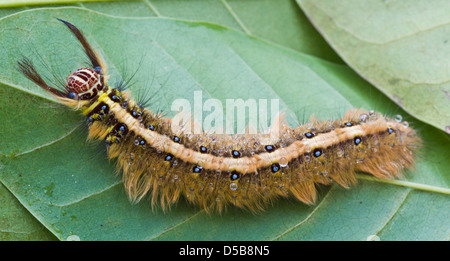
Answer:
(214, 171)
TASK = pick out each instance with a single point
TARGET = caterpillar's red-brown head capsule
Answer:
(84, 84)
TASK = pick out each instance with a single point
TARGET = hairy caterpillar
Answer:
(213, 171)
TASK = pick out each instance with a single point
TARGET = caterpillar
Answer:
(215, 171)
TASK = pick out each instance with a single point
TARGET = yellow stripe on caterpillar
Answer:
(103, 96)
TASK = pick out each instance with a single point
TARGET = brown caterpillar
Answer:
(214, 171)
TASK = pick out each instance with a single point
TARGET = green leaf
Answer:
(16, 223)
(262, 18)
(72, 189)
(297, 32)
(400, 47)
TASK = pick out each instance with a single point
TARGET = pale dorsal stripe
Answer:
(248, 164)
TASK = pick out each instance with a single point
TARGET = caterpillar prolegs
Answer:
(213, 171)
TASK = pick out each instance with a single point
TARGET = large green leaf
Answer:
(71, 188)
(16, 223)
(297, 32)
(280, 21)
(399, 46)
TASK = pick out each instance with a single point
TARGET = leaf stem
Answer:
(408, 184)
(230, 10)
(153, 9)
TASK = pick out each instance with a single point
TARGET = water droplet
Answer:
(406, 124)
(233, 186)
(307, 158)
(73, 238)
(398, 118)
(363, 118)
(372, 113)
(283, 162)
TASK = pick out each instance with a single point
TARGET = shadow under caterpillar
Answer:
(213, 171)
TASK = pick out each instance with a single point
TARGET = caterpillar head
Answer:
(84, 84)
